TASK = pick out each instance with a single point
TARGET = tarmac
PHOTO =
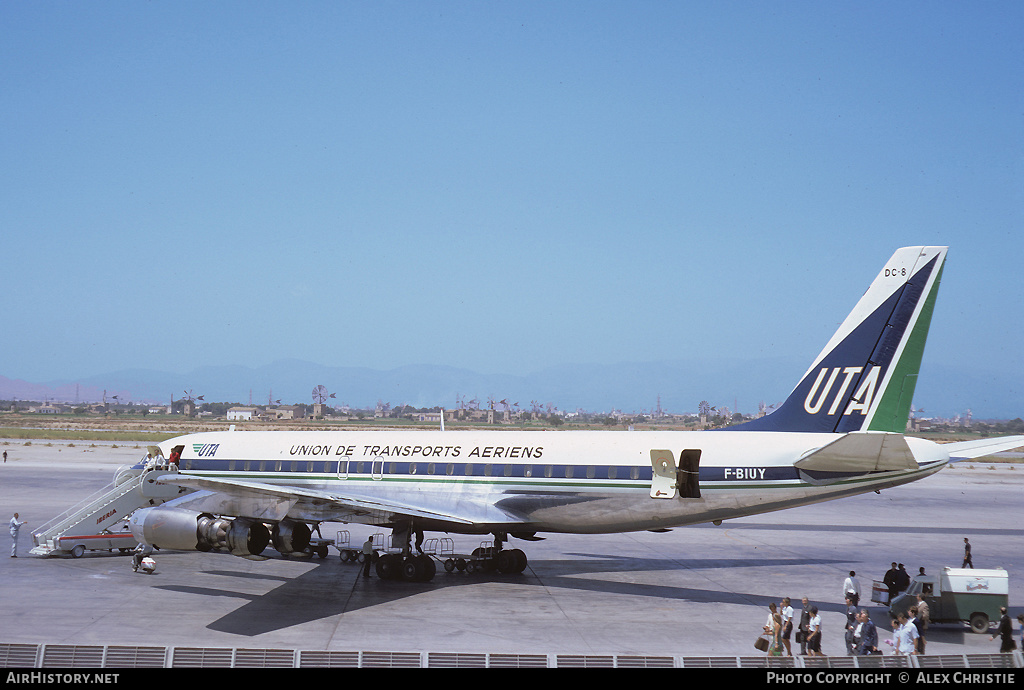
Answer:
(700, 591)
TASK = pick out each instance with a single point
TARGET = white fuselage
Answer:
(532, 481)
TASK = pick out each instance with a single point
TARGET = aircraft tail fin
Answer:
(865, 377)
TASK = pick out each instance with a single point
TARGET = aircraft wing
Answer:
(274, 502)
(966, 450)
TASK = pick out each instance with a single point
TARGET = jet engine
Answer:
(289, 536)
(186, 530)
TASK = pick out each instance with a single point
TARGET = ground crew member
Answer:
(15, 526)
(367, 556)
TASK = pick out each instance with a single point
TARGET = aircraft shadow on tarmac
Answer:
(326, 590)
(879, 529)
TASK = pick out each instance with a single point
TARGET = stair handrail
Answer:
(115, 491)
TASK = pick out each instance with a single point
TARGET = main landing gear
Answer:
(411, 567)
(420, 567)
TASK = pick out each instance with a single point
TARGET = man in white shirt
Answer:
(15, 526)
(851, 588)
(906, 636)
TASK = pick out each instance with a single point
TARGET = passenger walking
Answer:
(775, 648)
(768, 624)
(851, 588)
(968, 563)
(865, 635)
(906, 636)
(803, 630)
(787, 624)
(1005, 632)
(15, 526)
(851, 625)
(923, 618)
(814, 638)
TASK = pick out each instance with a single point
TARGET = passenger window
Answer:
(469, 469)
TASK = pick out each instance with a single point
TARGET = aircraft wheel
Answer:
(429, 568)
(388, 567)
(412, 570)
(521, 560)
(506, 562)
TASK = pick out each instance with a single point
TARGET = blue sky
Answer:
(500, 186)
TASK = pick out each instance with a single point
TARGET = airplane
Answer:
(839, 433)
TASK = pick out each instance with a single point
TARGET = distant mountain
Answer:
(629, 386)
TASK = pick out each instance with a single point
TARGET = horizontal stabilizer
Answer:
(966, 450)
(858, 453)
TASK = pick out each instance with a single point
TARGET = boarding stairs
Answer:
(132, 488)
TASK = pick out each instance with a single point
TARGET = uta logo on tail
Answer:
(861, 400)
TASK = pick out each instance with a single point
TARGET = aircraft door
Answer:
(343, 469)
(688, 474)
(377, 468)
(669, 480)
(663, 480)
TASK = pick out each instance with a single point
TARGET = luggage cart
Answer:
(347, 552)
(319, 546)
(879, 592)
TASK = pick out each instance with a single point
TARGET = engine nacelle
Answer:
(187, 530)
(289, 536)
